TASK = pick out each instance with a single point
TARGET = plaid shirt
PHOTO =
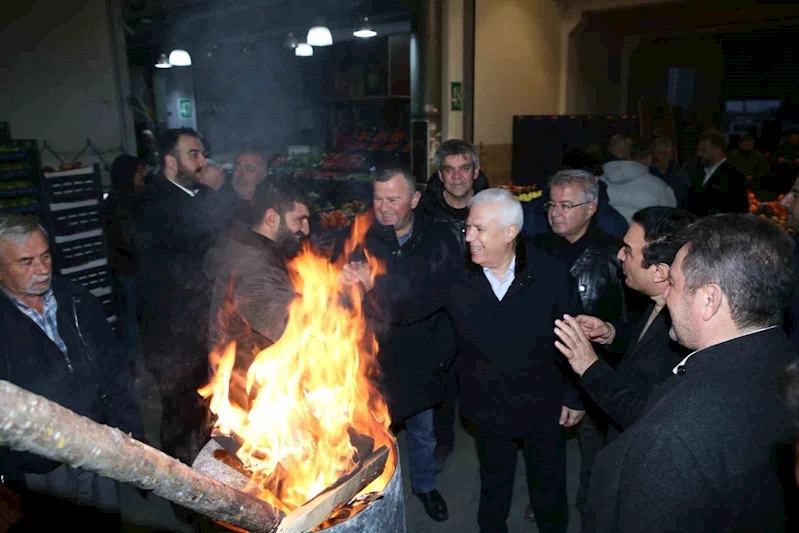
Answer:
(47, 321)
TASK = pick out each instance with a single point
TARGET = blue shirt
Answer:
(500, 288)
(48, 320)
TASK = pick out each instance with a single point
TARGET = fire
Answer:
(307, 391)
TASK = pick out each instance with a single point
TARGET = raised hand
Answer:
(574, 344)
(596, 329)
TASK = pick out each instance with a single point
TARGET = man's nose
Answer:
(787, 200)
(41, 268)
(620, 255)
(305, 228)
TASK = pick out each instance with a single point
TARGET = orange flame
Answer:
(308, 390)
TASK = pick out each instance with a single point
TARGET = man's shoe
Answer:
(434, 505)
(529, 513)
(441, 455)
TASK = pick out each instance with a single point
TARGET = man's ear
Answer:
(271, 218)
(171, 162)
(510, 233)
(440, 176)
(592, 208)
(415, 199)
(711, 300)
(661, 273)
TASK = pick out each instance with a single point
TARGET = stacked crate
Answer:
(73, 206)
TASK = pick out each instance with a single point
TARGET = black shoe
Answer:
(529, 513)
(434, 505)
(441, 455)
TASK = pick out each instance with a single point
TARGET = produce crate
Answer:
(73, 205)
(20, 178)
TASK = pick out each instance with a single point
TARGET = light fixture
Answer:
(365, 31)
(319, 36)
(303, 50)
(291, 42)
(163, 62)
(180, 58)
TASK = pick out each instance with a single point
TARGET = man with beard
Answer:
(717, 186)
(176, 222)
(55, 342)
(702, 455)
(248, 268)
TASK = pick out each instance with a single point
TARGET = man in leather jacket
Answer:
(592, 258)
(445, 200)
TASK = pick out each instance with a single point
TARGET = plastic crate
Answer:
(79, 249)
(95, 276)
(73, 185)
(75, 217)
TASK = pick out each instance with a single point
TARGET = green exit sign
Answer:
(185, 108)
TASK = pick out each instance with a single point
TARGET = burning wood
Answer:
(34, 424)
(308, 393)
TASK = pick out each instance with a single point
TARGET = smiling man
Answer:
(412, 356)
(701, 456)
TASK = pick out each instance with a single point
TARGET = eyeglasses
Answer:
(563, 206)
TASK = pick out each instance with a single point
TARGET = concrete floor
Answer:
(459, 483)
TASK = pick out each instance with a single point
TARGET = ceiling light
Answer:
(365, 31)
(291, 42)
(319, 36)
(163, 62)
(180, 58)
(303, 50)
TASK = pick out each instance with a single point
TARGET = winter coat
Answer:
(251, 293)
(412, 357)
(92, 379)
(435, 205)
(703, 456)
(631, 188)
(512, 378)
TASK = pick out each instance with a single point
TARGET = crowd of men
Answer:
(662, 334)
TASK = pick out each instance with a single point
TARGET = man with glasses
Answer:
(592, 259)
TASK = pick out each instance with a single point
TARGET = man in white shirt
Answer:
(717, 187)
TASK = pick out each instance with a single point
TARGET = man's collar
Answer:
(45, 297)
(711, 170)
(511, 267)
(190, 192)
(677, 370)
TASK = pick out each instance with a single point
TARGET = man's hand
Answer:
(357, 271)
(574, 344)
(597, 330)
(570, 417)
(212, 176)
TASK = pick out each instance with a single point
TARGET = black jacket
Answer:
(704, 454)
(173, 233)
(596, 270)
(622, 394)
(412, 357)
(120, 234)
(93, 379)
(435, 205)
(725, 192)
(512, 379)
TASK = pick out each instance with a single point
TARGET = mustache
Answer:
(40, 279)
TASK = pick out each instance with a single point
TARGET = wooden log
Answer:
(32, 423)
(313, 513)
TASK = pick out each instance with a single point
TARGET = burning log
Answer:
(34, 424)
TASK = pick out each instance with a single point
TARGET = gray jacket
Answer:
(631, 188)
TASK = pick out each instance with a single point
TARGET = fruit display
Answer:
(12, 185)
(524, 193)
(339, 218)
(769, 210)
(17, 202)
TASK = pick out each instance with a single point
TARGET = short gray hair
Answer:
(510, 208)
(17, 228)
(456, 147)
(585, 180)
(387, 174)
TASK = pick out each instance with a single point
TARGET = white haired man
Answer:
(512, 387)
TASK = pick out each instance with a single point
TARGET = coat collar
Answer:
(523, 276)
